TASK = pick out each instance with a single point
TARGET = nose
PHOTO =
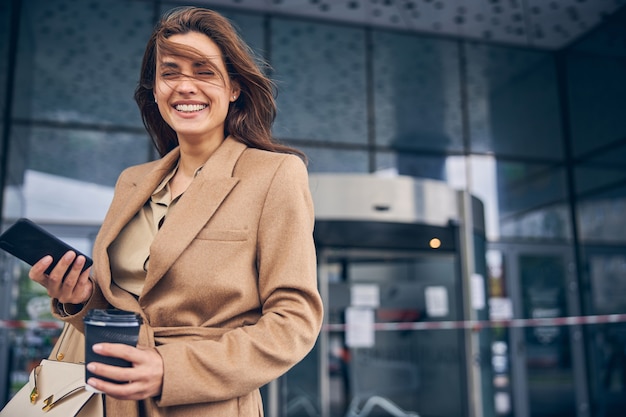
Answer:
(186, 84)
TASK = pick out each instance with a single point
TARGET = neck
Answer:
(193, 156)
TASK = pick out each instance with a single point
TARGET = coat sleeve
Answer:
(245, 358)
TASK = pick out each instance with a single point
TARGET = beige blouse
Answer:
(130, 252)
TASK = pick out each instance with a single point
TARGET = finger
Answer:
(60, 269)
(116, 373)
(118, 350)
(146, 374)
(84, 287)
(73, 274)
(37, 271)
(122, 391)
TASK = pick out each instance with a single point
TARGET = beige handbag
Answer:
(56, 388)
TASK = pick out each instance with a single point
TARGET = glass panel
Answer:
(532, 200)
(81, 60)
(449, 169)
(594, 178)
(335, 160)
(607, 276)
(413, 165)
(320, 73)
(5, 27)
(416, 92)
(251, 29)
(601, 219)
(69, 174)
(597, 86)
(548, 348)
(302, 387)
(513, 102)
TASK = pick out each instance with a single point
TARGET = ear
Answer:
(234, 91)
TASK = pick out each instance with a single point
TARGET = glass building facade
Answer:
(539, 136)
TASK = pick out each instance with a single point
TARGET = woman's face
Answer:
(193, 96)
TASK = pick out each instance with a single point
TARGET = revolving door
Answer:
(395, 370)
(395, 273)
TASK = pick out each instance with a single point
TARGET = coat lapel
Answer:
(194, 209)
(132, 196)
(129, 198)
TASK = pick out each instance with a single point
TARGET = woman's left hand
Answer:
(145, 378)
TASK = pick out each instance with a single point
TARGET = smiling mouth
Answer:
(190, 108)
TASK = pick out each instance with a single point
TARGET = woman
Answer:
(211, 244)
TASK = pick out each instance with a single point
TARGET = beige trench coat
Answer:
(230, 299)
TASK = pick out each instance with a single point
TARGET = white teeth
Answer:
(190, 107)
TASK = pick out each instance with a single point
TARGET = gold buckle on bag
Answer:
(49, 404)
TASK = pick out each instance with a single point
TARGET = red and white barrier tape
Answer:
(483, 324)
(30, 324)
(422, 325)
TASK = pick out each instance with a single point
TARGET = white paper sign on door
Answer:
(359, 327)
(478, 292)
(436, 301)
(365, 295)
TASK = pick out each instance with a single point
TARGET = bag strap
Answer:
(59, 353)
(63, 394)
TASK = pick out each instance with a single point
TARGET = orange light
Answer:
(435, 243)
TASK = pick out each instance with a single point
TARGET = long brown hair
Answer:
(250, 118)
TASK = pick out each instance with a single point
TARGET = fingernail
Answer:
(91, 367)
(47, 260)
(97, 348)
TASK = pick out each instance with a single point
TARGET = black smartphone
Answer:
(30, 242)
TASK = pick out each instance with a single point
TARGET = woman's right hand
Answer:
(76, 288)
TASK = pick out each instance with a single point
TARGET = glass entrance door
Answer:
(606, 275)
(548, 353)
(375, 366)
(547, 361)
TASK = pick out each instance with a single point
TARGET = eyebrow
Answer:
(168, 64)
(195, 64)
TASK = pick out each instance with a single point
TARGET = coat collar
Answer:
(194, 209)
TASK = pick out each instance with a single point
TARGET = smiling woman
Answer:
(212, 245)
(194, 93)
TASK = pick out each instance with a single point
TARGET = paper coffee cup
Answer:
(110, 326)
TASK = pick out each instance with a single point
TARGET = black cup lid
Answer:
(112, 317)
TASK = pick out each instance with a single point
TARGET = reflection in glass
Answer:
(320, 74)
(82, 60)
(513, 102)
(597, 87)
(532, 200)
(67, 175)
(5, 27)
(335, 160)
(601, 220)
(416, 92)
